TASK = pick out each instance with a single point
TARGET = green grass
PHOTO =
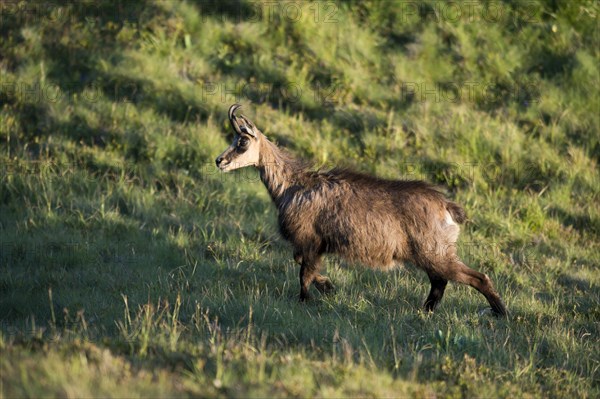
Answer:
(129, 267)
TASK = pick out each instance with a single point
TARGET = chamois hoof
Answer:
(491, 312)
(325, 287)
(303, 298)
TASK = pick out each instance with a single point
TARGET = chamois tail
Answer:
(457, 212)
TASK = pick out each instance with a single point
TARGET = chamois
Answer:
(365, 219)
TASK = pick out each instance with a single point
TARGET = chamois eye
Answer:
(243, 141)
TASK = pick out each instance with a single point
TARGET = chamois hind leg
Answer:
(309, 270)
(461, 273)
(438, 285)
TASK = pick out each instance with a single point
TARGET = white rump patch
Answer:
(449, 219)
(451, 228)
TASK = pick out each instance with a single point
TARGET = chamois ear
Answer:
(241, 124)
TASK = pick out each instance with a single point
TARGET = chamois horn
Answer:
(246, 127)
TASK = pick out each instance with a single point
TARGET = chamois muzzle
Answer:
(240, 124)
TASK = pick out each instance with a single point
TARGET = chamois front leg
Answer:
(321, 283)
(309, 270)
(298, 257)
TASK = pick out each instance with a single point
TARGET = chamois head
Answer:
(244, 150)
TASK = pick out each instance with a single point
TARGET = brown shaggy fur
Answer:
(362, 218)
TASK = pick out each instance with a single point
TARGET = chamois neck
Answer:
(279, 170)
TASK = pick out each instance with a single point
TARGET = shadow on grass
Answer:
(86, 265)
(74, 66)
(585, 224)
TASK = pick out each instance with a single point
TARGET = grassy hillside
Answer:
(130, 267)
